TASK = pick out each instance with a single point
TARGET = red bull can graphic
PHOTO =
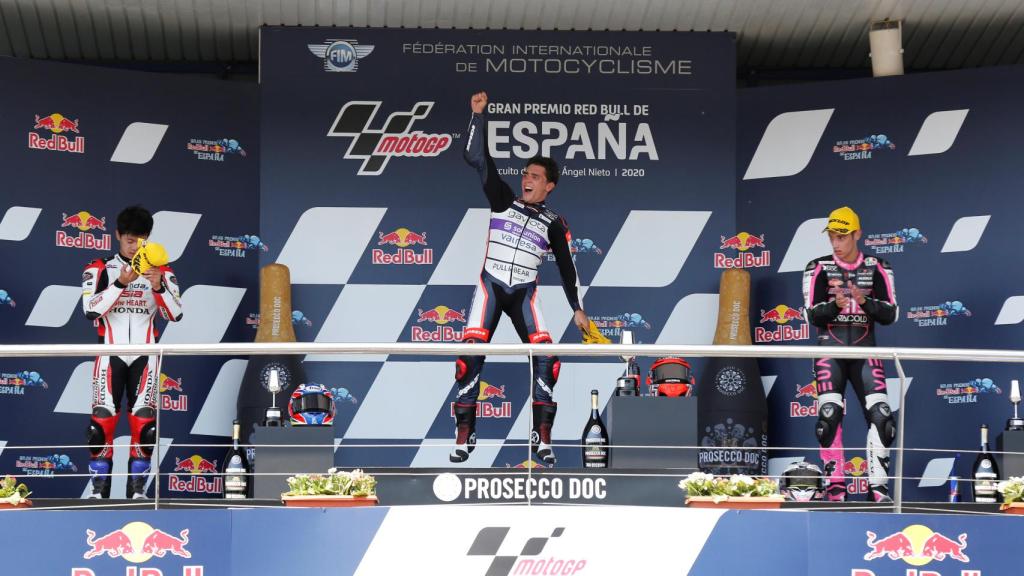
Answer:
(403, 240)
(56, 125)
(742, 243)
(440, 316)
(782, 316)
(84, 222)
(916, 545)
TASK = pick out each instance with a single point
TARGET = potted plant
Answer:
(1013, 495)
(737, 491)
(336, 488)
(13, 494)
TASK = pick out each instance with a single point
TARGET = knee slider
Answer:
(830, 416)
(880, 416)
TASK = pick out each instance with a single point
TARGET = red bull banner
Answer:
(107, 154)
(640, 125)
(795, 146)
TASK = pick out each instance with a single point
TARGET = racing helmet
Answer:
(311, 405)
(802, 482)
(670, 377)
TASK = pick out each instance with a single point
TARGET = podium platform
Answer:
(283, 451)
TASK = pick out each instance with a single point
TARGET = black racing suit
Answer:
(519, 237)
(851, 326)
(124, 315)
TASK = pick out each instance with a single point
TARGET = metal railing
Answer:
(895, 354)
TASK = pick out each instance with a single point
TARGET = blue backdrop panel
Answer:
(926, 161)
(377, 243)
(163, 141)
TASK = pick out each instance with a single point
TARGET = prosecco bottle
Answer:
(985, 473)
(236, 468)
(595, 438)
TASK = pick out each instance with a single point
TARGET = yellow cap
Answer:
(148, 256)
(843, 221)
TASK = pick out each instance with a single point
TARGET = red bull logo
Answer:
(195, 466)
(135, 542)
(56, 124)
(485, 406)
(440, 316)
(781, 316)
(84, 222)
(173, 403)
(916, 545)
(809, 391)
(743, 242)
(403, 239)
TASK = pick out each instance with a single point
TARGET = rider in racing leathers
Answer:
(122, 305)
(521, 232)
(845, 294)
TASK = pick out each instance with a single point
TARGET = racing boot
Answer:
(540, 437)
(100, 483)
(138, 474)
(465, 432)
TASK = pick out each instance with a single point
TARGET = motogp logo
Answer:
(396, 138)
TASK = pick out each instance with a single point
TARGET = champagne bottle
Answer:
(595, 438)
(985, 472)
(236, 468)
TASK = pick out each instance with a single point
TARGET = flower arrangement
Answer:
(1012, 489)
(334, 483)
(12, 492)
(720, 489)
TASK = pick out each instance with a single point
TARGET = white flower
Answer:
(739, 479)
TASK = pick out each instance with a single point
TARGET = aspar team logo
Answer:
(341, 55)
(743, 243)
(916, 545)
(440, 316)
(375, 147)
(84, 222)
(137, 542)
(781, 316)
(405, 241)
(485, 406)
(894, 242)
(57, 125)
(937, 315)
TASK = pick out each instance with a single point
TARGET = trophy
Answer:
(273, 414)
(1016, 422)
(629, 383)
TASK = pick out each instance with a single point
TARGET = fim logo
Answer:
(375, 147)
(937, 315)
(84, 222)
(781, 316)
(916, 545)
(742, 243)
(485, 408)
(439, 315)
(489, 540)
(56, 124)
(341, 55)
(403, 239)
